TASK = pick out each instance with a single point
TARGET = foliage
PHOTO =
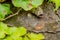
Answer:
(17, 33)
(57, 3)
(4, 10)
(24, 4)
(27, 4)
(34, 36)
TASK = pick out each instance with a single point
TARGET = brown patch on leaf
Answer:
(30, 5)
(5, 12)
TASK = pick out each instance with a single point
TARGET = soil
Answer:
(47, 21)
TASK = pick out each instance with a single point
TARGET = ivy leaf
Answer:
(27, 4)
(26, 38)
(11, 30)
(8, 38)
(4, 10)
(20, 31)
(36, 3)
(19, 38)
(7, 7)
(16, 38)
(13, 38)
(57, 4)
(3, 27)
(34, 36)
(2, 34)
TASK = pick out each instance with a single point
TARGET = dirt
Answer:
(47, 22)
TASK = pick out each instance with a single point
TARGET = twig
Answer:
(12, 15)
(10, 25)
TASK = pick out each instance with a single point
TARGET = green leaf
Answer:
(34, 36)
(2, 34)
(57, 3)
(36, 3)
(7, 8)
(4, 10)
(11, 30)
(16, 38)
(1, 38)
(19, 38)
(3, 27)
(27, 4)
(8, 38)
(13, 38)
(20, 31)
(26, 38)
